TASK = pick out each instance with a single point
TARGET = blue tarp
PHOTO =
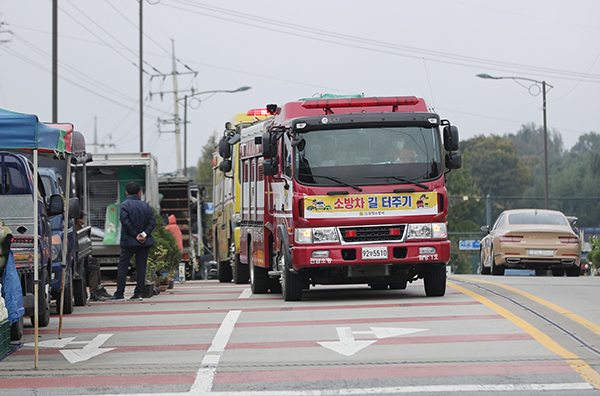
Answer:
(11, 290)
(25, 131)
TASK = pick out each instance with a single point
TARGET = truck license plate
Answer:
(374, 252)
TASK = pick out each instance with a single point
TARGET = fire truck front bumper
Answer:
(419, 253)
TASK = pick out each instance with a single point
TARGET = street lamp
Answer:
(185, 106)
(487, 76)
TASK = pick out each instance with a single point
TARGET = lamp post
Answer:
(535, 83)
(185, 122)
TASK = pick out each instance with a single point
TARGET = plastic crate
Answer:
(4, 337)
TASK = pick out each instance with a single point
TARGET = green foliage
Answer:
(593, 257)
(164, 256)
(204, 172)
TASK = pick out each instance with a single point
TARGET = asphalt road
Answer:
(502, 335)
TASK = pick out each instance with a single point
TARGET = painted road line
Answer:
(574, 317)
(204, 379)
(246, 293)
(379, 373)
(581, 367)
(291, 323)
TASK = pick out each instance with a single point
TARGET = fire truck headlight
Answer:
(427, 231)
(303, 235)
(316, 235)
(439, 230)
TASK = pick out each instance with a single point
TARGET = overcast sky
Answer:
(286, 50)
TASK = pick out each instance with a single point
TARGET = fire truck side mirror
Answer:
(269, 145)
(453, 160)
(224, 147)
(271, 166)
(451, 138)
(225, 166)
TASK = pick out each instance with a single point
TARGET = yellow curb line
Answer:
(582, 368)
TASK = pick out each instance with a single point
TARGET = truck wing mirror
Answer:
(451, 138)
(56, 205)
(271, 166)
(225, 166)
(269, 145)
(453, 160)
(224, 147)
(74, 208)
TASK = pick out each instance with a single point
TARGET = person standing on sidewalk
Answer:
(137, 224)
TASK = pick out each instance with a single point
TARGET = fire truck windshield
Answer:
(368, 156)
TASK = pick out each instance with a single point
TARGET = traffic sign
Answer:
(469, 245)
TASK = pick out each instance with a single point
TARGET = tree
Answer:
(495, 168)
(204, 171)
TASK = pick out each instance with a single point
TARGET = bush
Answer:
(164, 256)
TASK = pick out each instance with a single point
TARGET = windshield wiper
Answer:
(336, 179)
(400, 178)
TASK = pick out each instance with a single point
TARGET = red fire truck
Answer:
(345, 190)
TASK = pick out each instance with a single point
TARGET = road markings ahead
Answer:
(348, 346)
(246, 293)
(90, 350)
(206, 373)
(581, 367)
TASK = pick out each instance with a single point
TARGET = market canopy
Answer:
(25, 131)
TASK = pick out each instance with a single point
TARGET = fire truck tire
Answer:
(241, 272)
(435, 281)
(259, 277)
(43, 300)
(291, 284)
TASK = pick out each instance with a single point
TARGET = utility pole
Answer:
(96, 144)
(55, 61)
(177, 130)
(175, 120)
(141, 83)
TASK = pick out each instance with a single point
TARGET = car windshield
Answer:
(368, 156)
(537, 218)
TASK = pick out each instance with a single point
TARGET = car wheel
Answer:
(435, 281)
(16, 330)
(79, 290)
(483, 270)
(68, 297)
(43, 300)
(573, 270)
(259, 277)
(495, 269)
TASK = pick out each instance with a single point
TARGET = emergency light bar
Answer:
(258, 112)
(361, 102)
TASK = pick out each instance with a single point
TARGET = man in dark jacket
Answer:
(137, 223)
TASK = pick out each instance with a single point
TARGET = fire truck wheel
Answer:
(435, 281)
(68, 297)
(43, 300)
(259, 277)
(224, 271)
(241, 273)
(291, 284)
(79, 290)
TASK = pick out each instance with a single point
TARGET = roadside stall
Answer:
(24, 132)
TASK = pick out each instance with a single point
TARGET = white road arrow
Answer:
(386, 332)
(53, 343)
(89, 351)
(347, 345)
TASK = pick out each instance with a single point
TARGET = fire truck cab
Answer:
(346, 191)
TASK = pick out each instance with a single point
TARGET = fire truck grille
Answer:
(373, 234)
